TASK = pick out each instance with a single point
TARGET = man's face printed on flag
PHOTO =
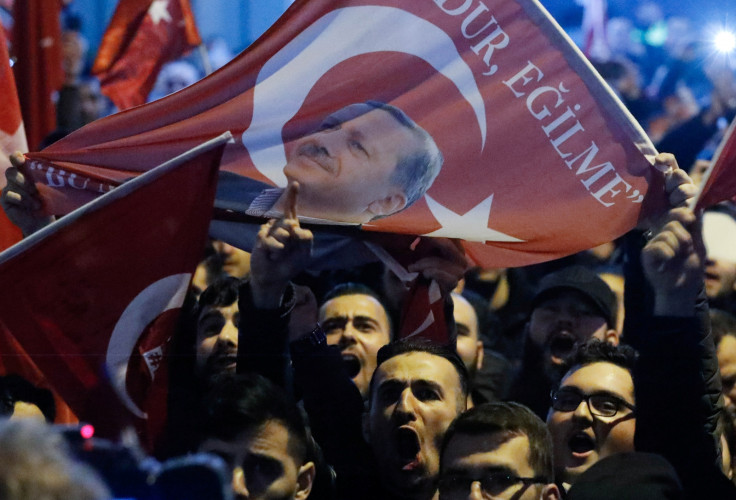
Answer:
(348, 170)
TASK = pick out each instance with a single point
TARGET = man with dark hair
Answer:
(260, 434)
(501, 450)
(21, 399)
(417, 390)
(366, 161)
(593, 410)
(217, 328)
(570, 306)
(355, 319)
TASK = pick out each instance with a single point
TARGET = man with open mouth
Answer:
(354, 318)
(417, 390)
(593, 410)
(571, 306)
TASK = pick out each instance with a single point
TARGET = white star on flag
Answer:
(159, 11)
(473, 226)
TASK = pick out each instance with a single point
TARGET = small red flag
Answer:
(38, 72)
(142, 36)
(12, 136)
(719, 182)
(95, 295)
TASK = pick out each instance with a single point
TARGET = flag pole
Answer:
(206, 63)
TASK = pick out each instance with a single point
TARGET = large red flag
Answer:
(141, 37)
(719, 181)
(12, 135)
(540, 158)
(38, 72)
(94, 295)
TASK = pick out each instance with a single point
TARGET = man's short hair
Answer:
(722, 323)
(223, 292)
(14, 388)
(595, 351)
(353, 288)
(415, 172)
(399, 347)
(240, 403)
(510, 419)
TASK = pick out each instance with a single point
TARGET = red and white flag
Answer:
(38, 71)
(12, 136)
(541, 160)
(719, 181)
(94, 296)
(142, 36)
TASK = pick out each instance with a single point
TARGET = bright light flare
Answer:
(725, 41)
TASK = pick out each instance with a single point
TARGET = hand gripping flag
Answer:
(94, 296)
(12, 136)
(38, 71)
(142, 36)
(540, 159)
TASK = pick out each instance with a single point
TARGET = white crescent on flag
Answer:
(164, 294)
(286, 79)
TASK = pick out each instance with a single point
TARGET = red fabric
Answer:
(38, 72)
(142, 36)
(423, 315)
(91, 316)
(721, 182)
(12, 136)
(515, 154)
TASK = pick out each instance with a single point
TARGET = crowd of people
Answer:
(607, 374)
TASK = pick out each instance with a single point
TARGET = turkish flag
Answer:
(541, 160)
(94, 296)
(38, 71)
(142, 36)
(12, 136)
(719, 181)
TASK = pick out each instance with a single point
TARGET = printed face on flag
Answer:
(539, 158)
(366, 160)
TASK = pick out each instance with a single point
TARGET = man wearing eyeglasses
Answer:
(500, 451)
(593, 410)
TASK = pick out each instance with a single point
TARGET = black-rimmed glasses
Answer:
(601, 404)
(452, 487)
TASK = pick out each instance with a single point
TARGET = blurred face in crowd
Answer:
(359, 326)
(720, 278)
(481, 466)
(581, 437)
(235, 262)
(414, 398)
(217, 338)
(560, 322)
(344, 169)
(727, 365)
(264, 463)
(469, 347)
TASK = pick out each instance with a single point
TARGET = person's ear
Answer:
(305, 480)
(388, 205)
(611, 336)
(550, 492)
(479, 356)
